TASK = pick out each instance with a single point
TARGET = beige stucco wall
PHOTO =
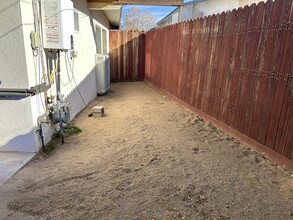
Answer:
(242, 3)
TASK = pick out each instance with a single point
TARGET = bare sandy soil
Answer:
(148, 158)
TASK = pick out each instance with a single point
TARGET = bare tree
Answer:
(136, 20)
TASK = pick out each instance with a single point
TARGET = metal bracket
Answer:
(25, 92)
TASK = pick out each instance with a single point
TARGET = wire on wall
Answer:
(38, 57)
(67, 60)
(67, 63)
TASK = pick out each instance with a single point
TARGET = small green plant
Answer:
(49, 148)
(56, 135)
(69, 130)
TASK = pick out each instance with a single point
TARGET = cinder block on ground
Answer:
(98, 111)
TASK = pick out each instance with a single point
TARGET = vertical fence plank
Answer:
(279, 39)
(246, 108)
(235, 65)
(253, 53)
(243, 84)
(287, 150)
(260, 80)
(239, 62)
(142, 56)
(284, 100)
(195, 61)
(219, 38)
(222, 65)
(211, 61)
(228, 68)
(208, 57)
(202, 51)
(283, 62)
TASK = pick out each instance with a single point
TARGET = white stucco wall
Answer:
(16, 120)
(211, 7)
(84, 64)
(242, 3)
(205, 8)
(20, 69)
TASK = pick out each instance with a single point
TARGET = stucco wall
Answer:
(16, 121)
(20, 69)
(214, 7)
(202, 8)
(242, 3)
(84, 64)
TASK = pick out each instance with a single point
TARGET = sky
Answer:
(158, 11)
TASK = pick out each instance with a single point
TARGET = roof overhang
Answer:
(95, 3)
(112, 12)
(112, 8)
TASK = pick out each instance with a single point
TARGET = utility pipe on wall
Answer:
(59, 97)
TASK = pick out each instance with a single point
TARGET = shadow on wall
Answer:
(82, 94)
(21, 143)
(127, 56)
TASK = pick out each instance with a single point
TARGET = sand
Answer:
(148, 158)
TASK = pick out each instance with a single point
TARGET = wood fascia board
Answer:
(91, 3)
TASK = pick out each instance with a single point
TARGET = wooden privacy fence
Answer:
(127, 56)
(235, 67)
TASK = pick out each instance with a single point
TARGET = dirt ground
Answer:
(148, 158)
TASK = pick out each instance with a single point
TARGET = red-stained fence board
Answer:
(263, 51)
(279, 43)
(283, 77)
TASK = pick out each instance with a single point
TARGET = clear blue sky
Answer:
(159, 11)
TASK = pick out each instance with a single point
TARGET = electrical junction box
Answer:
(58, 24)
(35, 40)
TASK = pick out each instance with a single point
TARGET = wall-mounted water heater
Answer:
(58, 24)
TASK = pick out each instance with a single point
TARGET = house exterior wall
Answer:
(200, 9)
(16, 120)
(203, 8)
(20, 69)
(214, 7)
(84, 64)
(242, 3)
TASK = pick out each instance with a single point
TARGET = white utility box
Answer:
(102, 73)
(58, 24)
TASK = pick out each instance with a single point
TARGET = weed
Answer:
(56, 135)
(49, 148)
(69, 130)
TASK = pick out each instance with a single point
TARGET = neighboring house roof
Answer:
(200, 8)
(168, 16)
